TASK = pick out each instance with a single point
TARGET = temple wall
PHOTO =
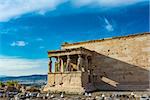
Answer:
(125, 60)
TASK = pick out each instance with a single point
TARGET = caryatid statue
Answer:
(50, 65)
(68, 63)
(79, 64)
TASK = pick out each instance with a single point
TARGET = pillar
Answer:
(56, 64)
(62, 65)
(79, 63)
(68, 63)
(59, 64)
(50, 65)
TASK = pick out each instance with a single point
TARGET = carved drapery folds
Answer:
(74, 59)
(79, 63)
(62, 65)
(68, 67)
(66, 63)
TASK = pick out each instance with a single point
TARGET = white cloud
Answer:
(10, 9)
(22, 66)
(108, 26)
(105, 3)
(19, 43)
(14, 8)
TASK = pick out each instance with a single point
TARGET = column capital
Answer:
(68, 57)
(79, 55)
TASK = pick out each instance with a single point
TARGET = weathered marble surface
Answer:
(123, 60)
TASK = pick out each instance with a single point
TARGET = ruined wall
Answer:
(125, 60)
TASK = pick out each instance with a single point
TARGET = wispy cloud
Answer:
(108, 26)
(105, 3)
(19, 43)
(16, 65)
(39, 39)
(11, 9)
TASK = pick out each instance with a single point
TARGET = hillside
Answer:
(28, 80)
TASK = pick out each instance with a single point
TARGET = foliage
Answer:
(1, 84)
(12, 83)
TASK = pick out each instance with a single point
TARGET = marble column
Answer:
(50, 65)
(68, 63)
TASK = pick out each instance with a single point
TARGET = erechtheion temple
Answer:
(118, 63)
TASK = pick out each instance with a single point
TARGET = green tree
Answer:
(1, 84)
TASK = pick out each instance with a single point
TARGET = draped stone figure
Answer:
(79, 64)
(68, 63)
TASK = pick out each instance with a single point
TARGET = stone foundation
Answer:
(65, 82)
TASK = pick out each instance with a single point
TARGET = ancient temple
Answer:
(71, 67)
(107, 64)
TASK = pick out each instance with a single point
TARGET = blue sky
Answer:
(28, 29)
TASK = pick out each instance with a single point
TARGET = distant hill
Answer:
(3, 76)
(31, 79)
